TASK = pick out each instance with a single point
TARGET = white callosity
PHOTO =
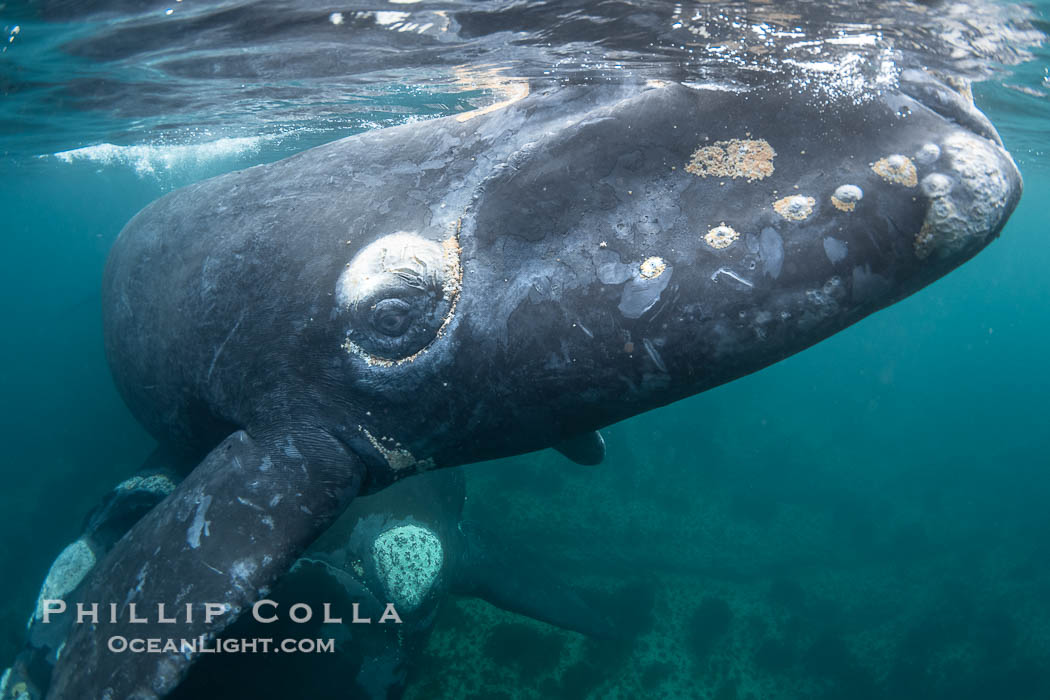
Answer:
(155, 483)
(402, 271)
(928, 154)
(845, 197)
(66, 573)
(408, 560)
(966, 207)
(936, 185)
(385, 261)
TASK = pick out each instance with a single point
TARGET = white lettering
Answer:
(132, 617)
(328, 615)
(82, 613)
(305, 617)
(256, 614)
(212, 610)
(53, 606)
(160, 615)
(390, 614)
(358, 619)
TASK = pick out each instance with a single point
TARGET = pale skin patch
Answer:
(751, 159)
(383, 258)
(797, 207)
(897, 170)
(482, 78)
(651, 268)
(721, 236)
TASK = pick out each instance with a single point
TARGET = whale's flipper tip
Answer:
(520, 581)
(587, 449)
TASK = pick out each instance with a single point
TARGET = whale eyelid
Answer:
(411, 278)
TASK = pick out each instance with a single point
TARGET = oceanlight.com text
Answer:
(202, 645)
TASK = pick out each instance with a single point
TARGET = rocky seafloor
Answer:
(762, 566)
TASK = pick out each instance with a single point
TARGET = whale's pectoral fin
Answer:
(515, 579)
(586, 448)
(216, 543)
(119, 510)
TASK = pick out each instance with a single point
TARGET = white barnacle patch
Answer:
(936, 185)
(721, 236)
(129, 484)
(797, 207)
(155, 483)
(980, 182)
(751, 159)
(400, 292)
(199, 526)
(397, 457)
(408, 560)
(158, 484)
(928, 154)
(845, 197)
(65, 574)
(897, 170)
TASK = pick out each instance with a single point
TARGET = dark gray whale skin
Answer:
(456, 290)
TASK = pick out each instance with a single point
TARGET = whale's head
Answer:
(644, 247)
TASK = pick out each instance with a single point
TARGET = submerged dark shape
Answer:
(407, 545)
(489, 284)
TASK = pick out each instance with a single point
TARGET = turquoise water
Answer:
(866, 519)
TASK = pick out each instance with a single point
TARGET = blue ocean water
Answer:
(865, 519)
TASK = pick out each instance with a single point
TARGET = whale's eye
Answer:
(392, 317)
(398, 292)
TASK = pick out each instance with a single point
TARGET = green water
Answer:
(866, 519)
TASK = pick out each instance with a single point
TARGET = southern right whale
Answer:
(485, 285)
